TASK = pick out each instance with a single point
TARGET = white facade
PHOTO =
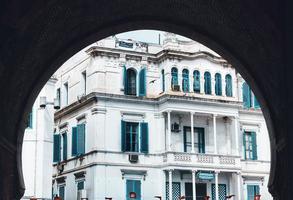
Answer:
(92, 89)
(38, 147)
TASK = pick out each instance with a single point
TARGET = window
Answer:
(174, 74)
(79, 187)
(29, 123)
(78, 140)
(56, 148)
(196, 81)
(199, 139)
(250, 145)
(134, 137)
(61, 191)
(228, 80)
(222, 191)
(64, 144)
(252, 190)
(218, 84)
(163, 80)
(58, 96)
(185, 80)
(83, 82)
(207, 83)
(130, 88)
(246, 94)
(66, 94)
(133, 186)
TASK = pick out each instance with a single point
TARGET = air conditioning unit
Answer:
(176, 88)
(81, 195)
(175, 127)
(133, 158)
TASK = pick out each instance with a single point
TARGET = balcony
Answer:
(202, 160)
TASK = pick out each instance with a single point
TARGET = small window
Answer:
(196, 81)
(29, 123)
(228, 81)
(163, 80)
(66, 94)
(250, 145)
(132, 137)
(174, 74)
(218, 84)
(78, 140)
(133, 186)
(61, 191)
(185, 80)
(130, 82)
(207, 83)
(58, 96)
(246, 95)
(83, 82)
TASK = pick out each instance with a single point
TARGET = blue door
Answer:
(133, 186)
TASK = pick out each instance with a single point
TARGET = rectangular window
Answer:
(83, 82)
(61, 191)
(79, 187)
(78, 140)
(252, 190)
(134, 137)
(133, 187)
(250, 147)
(199, 140)
(64, 149)
(65, 94)
(30, 120)
(58, 96)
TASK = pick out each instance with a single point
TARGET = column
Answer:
(169, 129)
(201, 82)
(213, 84)
(215, 134)
(236, 136)
(193, 185)
(239, 186)
(192, 132)
(170, 185)
(224, 86)
(216, 185)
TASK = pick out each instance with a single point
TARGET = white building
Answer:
(37, 150)
(125, 118)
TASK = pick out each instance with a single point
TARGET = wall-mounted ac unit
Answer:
(81, 195)
(176, 88)
(133, 158)
(175, 127)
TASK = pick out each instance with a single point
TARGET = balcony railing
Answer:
(202, 160)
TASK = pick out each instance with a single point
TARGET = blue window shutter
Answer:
(207, 83)
(184, 139)
(163, 80)
(64, 146)
(250, 192)
(80, 139)
(142, 82)
(62, 192)
(196, 81)
(254, 146)
(244, 145)
(74, 141)
(125, 79)
(174, 74)
(201, 140)
(246, 95)
(144, 130)
(218, 84)
(56, 150)
(185, 80)
(30, 120)
(228, 80)
(137, 189)
(123, 136)
(256, 189)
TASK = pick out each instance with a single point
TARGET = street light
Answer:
(44, 103)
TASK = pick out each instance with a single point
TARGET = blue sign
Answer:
(205, 175)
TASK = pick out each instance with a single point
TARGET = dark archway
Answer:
(38, 36)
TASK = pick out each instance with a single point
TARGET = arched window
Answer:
(174, 73)
(185, 80)
(131, 82)
(246, 94)
(207, 83)
(218, 84)
(196, 81)
(228, 80)
(163, 80)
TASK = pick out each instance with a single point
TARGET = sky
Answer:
(149, 36)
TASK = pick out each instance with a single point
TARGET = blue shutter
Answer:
(123, 136)
(174, 74)
(30, 120)
(254, 146)
(56, 150)
(144, 131)
(163, 80)
(218, 84)
(207, 83)
(185, 80)
(137, 189)
(184, 139)
(129, 188)
(125, 79)
(196, 81)
(74, 141)
(201, 140)
(244, 145)
(142, 82)
(228, 80)
(250, 192)
(62, 192)
(64, 146)
(80, 139)
(246, 92)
